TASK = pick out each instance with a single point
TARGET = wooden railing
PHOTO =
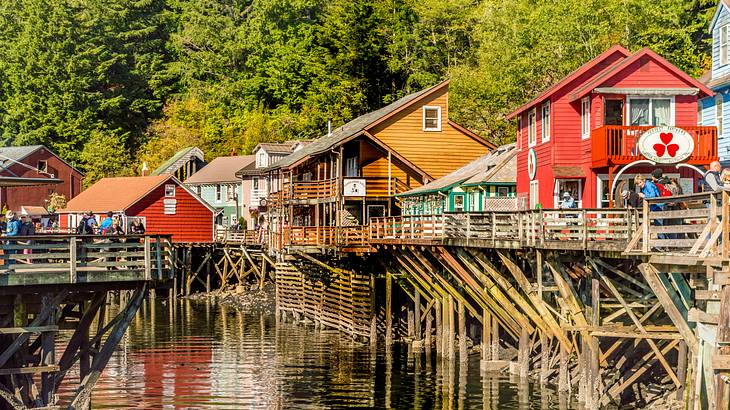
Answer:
(67, 259)
(346, 236)
(694, 225)
(246, 237)
(616, 144)
(322, 189)
(382, 187)
(585, 228)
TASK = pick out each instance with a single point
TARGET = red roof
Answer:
(117, 194)
(570, 77)
(615, 69)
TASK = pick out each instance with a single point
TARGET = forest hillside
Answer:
(109, 84)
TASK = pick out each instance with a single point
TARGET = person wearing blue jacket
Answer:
(648, 189)
(13, 225)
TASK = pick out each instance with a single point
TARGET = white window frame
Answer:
(255, 184)
(719, 114)
(545, 120)
(520, 134)
(585, 117)
(218, 193)
(534, 193)
(672, 107)
(169, 190)
(723, 40)
(261, 159)
(438, 119)
(532, 128)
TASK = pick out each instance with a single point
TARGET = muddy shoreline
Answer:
(249, 298)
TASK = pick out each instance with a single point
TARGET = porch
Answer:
(618, 144)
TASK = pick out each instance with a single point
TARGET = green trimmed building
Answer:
(485, 184)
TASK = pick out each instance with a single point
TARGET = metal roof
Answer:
(498, 166)
(180, 157)
(221, 169)
(351, 129)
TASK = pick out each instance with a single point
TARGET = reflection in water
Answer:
(200, 355)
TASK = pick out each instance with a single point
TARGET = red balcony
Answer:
(617, 144)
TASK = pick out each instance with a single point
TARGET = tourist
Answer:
(568, 202)
(13, 224)
(631, 199)
(106, 224)
(116, 228)
(137, 227)
(27, 228)
(648, 190)
(711, 181)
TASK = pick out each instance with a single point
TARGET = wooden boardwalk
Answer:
(54, 282)
(611, 304)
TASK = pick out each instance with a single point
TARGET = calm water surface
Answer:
(195, 354)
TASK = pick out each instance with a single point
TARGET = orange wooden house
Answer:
(323, 195)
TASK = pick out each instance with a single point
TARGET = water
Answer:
(200, 355)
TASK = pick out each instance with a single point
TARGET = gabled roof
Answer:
(180, 157)
(118, 194)
(498, 166)
(220, 170)
(615, 69)
(353, 128)
(286, 147)
(615, 50)
(720, 5)
(11, 155)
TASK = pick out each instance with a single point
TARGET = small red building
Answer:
(37, 163)
(161, 202)
(586, 131)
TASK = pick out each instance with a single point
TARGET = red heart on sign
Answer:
(672, 149)
(659, 149)
(666, 137)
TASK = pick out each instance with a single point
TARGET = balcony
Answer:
(322, 236)
(617, 144)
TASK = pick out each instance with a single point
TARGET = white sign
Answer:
(666, 145)
(531, 163)
(354, 187)
(170, 206)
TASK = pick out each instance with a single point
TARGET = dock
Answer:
(63, 283)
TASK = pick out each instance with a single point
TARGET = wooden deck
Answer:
(689, 226)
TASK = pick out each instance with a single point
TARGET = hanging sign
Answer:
(666, 145)
(531, 163)
(353, 187)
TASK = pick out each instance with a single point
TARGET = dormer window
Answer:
(723, 45)
(261, 159)
(432, 118)
(42, 167)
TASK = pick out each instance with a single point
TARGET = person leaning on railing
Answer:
(649, 190)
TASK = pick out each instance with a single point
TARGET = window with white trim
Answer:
(532, 127)
(255, 183)
(261, 159)
(545, 121)
(651, 111)
(170, 190)
(351, 167)
(719, 114)
(585, 117)
(218, 193)
(519, 132)
(534, 194)
(432, 118)
(723, 45)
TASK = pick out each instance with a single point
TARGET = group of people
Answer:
(13, 225)
(111, 225)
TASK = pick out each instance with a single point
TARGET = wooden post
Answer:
(417, 309)
(48, 355)
(452, 329)
(563, 382)
(486, 334)
(524, 353)
(545, 358)
(439, 328)
(427, 336)
(373, 313)
(72, 259)
(594, 351)
(682, 369)
(645, 227)
(147, 259)
(495, 338)
(388, 308)
(463, 354)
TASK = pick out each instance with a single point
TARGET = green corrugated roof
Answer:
(165, 167)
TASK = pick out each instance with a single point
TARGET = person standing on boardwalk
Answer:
(711, 181)
(106, 224)
(649, 190)
(13, 224)
(631, 199)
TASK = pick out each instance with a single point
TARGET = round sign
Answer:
(263, 202)
(666, 145)
(531, 163)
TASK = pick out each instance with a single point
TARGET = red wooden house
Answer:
(47, 171)
(161, 202)
(586, 131)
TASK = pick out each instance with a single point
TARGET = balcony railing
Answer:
(346, 236)
(617, 144)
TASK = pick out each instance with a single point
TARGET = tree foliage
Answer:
(111, 84)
